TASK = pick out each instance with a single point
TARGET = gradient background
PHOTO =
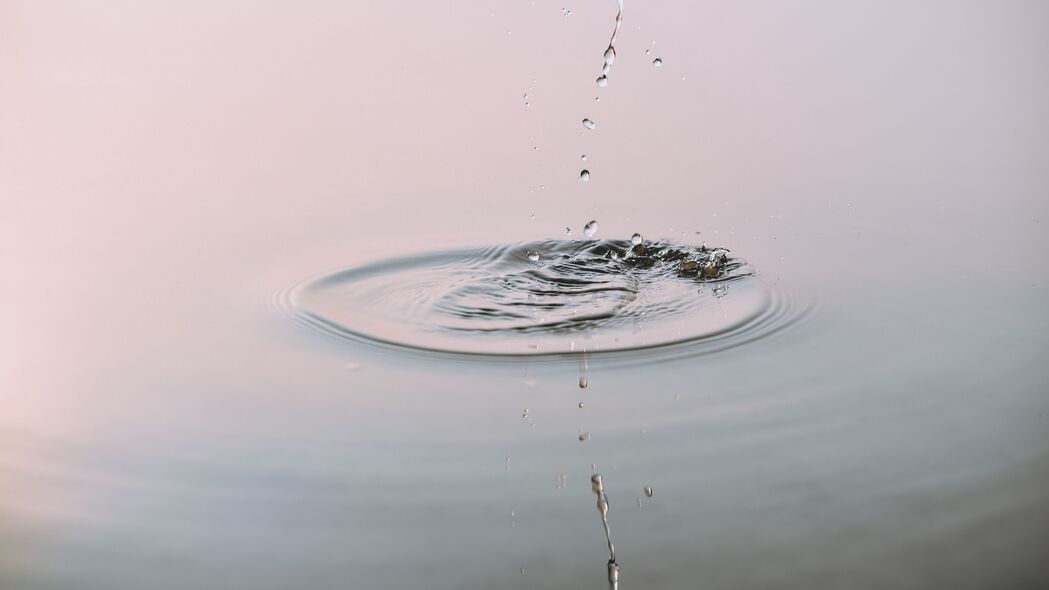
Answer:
(167, 169)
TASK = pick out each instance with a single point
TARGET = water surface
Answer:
(166, 175)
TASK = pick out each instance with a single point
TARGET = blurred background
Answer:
(168, 170)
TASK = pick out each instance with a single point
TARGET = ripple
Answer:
(549, 298)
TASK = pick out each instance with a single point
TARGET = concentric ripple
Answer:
(548, 298)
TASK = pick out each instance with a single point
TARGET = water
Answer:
(170, 421)
(549, 298)
(584, 176)
(588, 124)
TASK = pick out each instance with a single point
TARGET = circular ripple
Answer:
(548, 298)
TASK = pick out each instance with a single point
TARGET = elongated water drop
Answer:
(584, 176)
(635, 239)
(610, 55)
(590, 228)
(588, 124)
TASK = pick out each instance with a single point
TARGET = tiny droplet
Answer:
(590, 228)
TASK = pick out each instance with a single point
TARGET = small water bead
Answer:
(584, 437)
(533, 256)
(648, 491)
(636, 239)
(602, 81)
(590, 228)
(580, 404)
(583, 383)
(588, 124)
(584, 176)
(526, 99)
(583, 157)
(566, 11)
(658, 62)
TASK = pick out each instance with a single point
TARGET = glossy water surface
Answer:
(181, 187)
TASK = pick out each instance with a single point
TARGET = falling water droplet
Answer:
(588, 124)
(584, 437)
(583, 383)
(657, 62)
(580, 404)
(583, 157)
(566, 11)
(584, 176)
(648, 491)
(590, 228)
(648, 51)
(526, 99)
(568, 231)
(533, 256)
(610, 55)
(602, 81)
(635, 239)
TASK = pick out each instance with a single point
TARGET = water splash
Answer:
(598, 487)
(610, 52)
(549, 298)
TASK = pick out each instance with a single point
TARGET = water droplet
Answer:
(588, 124)
(584, 437)
(610, 55)
(590, 228)
(658, 62)
(596, 484)
(583, 157)
(533, 256)
(580, 404)
(568, 231)
(635, 239)
(566, 11)
(583, 383)
(602, 81)
(525, 413)
(648, 491)
(584, 176)
(526, 99)
(532, 216)
(648, 51)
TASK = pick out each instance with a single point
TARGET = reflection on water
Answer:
(164, 174)
(550, 297)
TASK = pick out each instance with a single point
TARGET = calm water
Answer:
(178, 183)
